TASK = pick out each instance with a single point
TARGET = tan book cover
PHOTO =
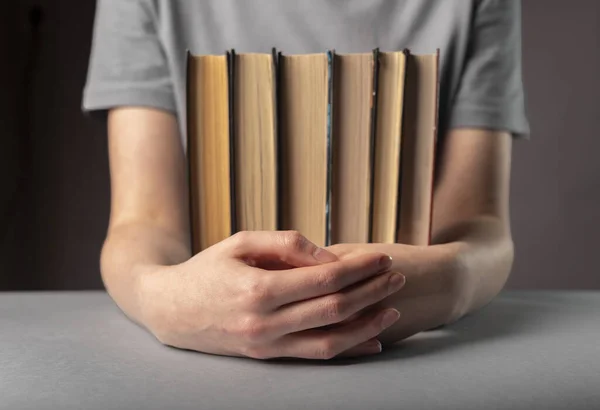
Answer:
(388, 143)
(418, 149)
(208, 150)
(303, 139)
(352, 147)
(255, 144)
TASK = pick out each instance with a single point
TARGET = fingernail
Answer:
(389, 318)
(385, 262)
(373, 345)
(397, 280)
(323, 255)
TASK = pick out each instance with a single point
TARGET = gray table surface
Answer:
(526, 350)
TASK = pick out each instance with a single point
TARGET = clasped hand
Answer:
(267, 294)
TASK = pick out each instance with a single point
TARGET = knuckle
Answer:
(256, 293)
(335, 307)
(327, 349)
(294, 240)
(329, 280)
(240, 237)
(252, 328)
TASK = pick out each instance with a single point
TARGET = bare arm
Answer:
(148, 219)
(472, 253)
(472, 210)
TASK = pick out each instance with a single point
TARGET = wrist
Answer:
(460, 283)
(150, 289)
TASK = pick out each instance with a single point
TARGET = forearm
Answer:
(432, 293)
(471, 254)
(464, 268)
(131, 251)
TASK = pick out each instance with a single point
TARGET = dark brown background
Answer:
(54, 239)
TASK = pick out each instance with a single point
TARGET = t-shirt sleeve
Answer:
(490, 94)
(127, 65)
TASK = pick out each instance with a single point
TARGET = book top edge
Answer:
(315, 54)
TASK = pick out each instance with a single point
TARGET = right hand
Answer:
(225, 301)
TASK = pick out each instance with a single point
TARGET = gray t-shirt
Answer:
(139, 47)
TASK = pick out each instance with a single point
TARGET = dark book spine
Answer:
(330, 71)
(374, 95)
(435, 140)
(280, 142)
(402, 135)
(189, 142)
(231, 88)
(277, 129)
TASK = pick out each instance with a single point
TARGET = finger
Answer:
(324, 345)
(300, 284)
(336, 307)
(370, 347)
(343, 322)
(289, 247)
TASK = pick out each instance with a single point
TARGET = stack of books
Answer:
(339, 147)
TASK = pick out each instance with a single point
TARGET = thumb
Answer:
(289, 247)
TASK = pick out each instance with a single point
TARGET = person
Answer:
(342, 300)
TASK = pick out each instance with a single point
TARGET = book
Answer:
(388, 143)
(255, 142)
(352, 147)
(304, 85)
(340, 147)
(419, 134)
(208, 150)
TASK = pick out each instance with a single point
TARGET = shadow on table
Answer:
(503, 318)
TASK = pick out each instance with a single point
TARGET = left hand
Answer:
(433, 291)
